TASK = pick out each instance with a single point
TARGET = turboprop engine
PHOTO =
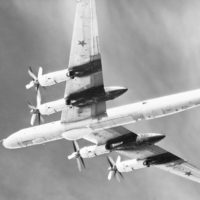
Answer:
(48, 79)
(85, 152)
(117, 168)
(44, 109)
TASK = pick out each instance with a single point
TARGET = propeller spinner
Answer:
(35, 79)
(113, 171)
(35, 111)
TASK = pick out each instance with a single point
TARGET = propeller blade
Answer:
(113, 171)
(33, 118)
(40, 72)
(39, 119)
(42, 118)
(79, 159)
(29, 85)
(110, 161)
(110, 174)
(117, 177)
(82, 162)
(79, 164)
(38, 98)
(35, 79)
(37, 87)
(76, 145)
(121, 176)
(32, 75)
(118, 159)
(30, 105)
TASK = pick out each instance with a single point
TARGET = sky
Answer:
(150, 46)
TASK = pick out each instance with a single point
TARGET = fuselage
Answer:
(131, 113)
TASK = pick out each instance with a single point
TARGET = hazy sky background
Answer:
(152, 47)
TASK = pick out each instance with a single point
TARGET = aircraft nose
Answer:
(8, 143)
(5, 143)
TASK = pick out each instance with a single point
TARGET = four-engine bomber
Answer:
(85, 114)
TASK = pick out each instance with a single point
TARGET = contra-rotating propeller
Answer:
(35, 78)
(77, 155)
(35, 111)
(113, 171)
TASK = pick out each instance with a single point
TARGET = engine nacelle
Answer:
(130, 165)
(53, 78)
(52, 107)
(90, 152)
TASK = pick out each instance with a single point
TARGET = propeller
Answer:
(35, 111)
(77, 155)
(113, 171)
(35, 79)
